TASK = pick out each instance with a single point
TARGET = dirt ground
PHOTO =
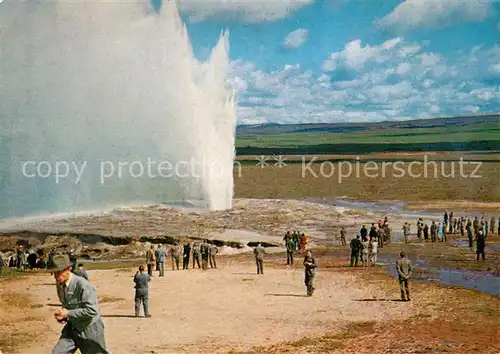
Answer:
(232, 309)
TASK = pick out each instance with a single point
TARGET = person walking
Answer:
(141, 281)
(404, 269)
(83, 329)
(310, 266)
(259, 252)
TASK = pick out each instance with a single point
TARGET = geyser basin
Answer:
(103, 103)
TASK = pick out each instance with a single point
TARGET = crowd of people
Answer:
(474, 229)
(364, 247)
(25, 259)
(156, 257)
(84, 328)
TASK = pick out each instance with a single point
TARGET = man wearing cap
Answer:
(84, 329)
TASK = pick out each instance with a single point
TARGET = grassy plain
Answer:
(360, 165)
(418, 135)
(331, 179)
(482, 136)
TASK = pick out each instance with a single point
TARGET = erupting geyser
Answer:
(104, 103)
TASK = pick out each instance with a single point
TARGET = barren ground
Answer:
(231, 309)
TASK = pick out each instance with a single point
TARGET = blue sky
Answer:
(354, 60)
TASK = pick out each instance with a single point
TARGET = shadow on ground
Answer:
(392, 300)
(291, 295)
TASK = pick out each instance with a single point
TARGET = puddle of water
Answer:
(375, 207)
(481, 281)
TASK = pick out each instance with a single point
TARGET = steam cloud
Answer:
(87, 82)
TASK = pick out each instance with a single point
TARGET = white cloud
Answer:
(390, 43)
(434, 109)
(403, 68)
(409, 50)
(423, 84)
(244, 11)
(427, 83)
(429, 59)
(495, 68)
(239, 84)
(412, 14)
(296, 38)
(471, 109)
(355, 55)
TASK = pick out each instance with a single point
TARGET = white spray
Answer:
(112, 94)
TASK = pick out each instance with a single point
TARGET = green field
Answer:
(451, 134)
(457, 134)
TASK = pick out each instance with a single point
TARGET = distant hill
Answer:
(273, 128)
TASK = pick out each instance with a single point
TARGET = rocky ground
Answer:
(127, 232)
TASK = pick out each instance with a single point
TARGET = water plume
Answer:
(111, 90)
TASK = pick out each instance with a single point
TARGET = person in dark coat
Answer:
(480, 245)
(356, 247)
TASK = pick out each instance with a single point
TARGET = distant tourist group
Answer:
(156, 258)
(476, 230)
(364, 247)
